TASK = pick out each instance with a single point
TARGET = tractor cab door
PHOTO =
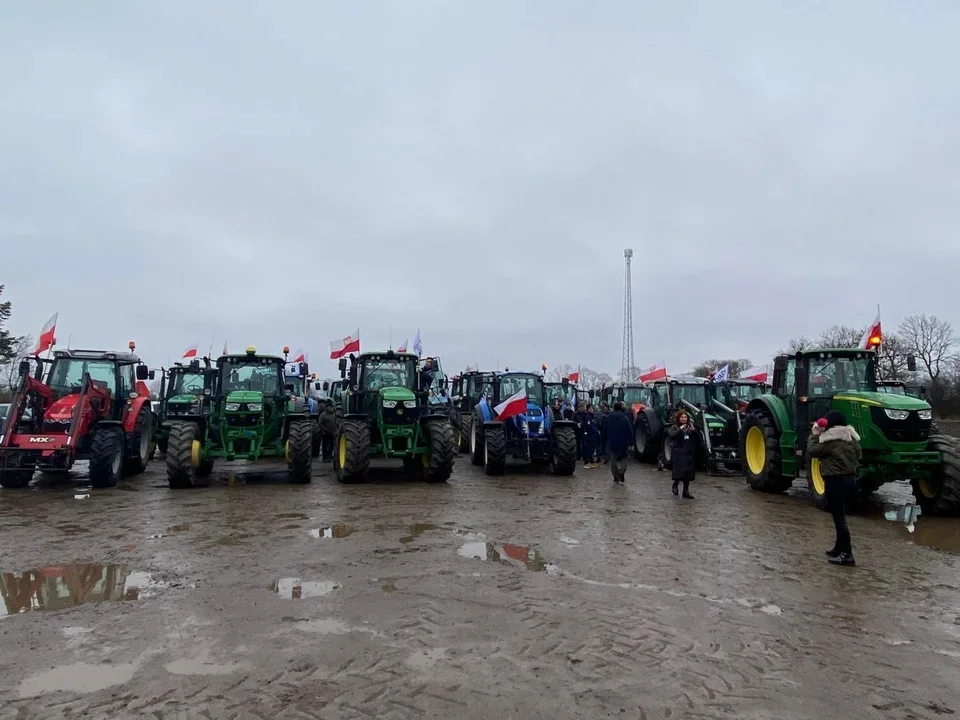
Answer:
(126, 382)
(439, 392)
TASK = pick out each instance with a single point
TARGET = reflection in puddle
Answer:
(335, 531)
(416, 530)
(906, 514)
(933, 532)
(64, 586)
(516, 555)
(297, 589)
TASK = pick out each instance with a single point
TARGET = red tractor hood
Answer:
(61, 411)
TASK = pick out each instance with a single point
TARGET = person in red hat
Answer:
(837, 446)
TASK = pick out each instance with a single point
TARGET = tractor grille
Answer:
(913, 429)
(409, 416)
(242, 421)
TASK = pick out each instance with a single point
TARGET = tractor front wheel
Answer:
(300, 450)
(463, 434)
(564, 450)
(940, 493)
(351, 453)
(760, 454)
(476, 441)
(141, 443)
(183, 449)
(438, 463)
(494, 450)
(816, 484)
(106, 456)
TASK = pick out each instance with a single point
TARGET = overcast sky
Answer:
(276, 173)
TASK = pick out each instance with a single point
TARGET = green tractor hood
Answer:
(397, 394)
(714, 421)
(185, 399)
(886, 400)
(245, 396)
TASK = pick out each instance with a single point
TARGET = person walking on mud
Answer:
(618, 432)
(328, 431)
(684, 439)
(837, 446)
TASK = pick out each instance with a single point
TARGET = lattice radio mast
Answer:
(626, 362)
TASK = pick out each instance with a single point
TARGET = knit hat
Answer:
(835, 417)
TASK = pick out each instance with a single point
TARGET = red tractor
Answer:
(89, 405)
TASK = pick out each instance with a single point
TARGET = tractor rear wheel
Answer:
(106, 456)
(816, 484)
(940, 494)
(476, 440)
(494, 450)
(141, 442)
(760, 453)
(463, 434)
(182, 446)
(316, 440)
(351, 453)
(645, 445)
(300, 450)
(564, 451)
(16, 479)
(438, 463)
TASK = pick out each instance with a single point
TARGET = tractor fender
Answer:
(656, 427)
(493, 423)
(354, 416)
(132, 412)
(773, 406)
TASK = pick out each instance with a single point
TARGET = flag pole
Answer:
(210, 352)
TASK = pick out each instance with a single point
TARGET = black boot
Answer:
(686, 490)
(676, 483)
(832, 553)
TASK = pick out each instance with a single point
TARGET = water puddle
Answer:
(416, 530)
(297, 589)
(336, 531)
(933, 532)
(200, 666)
(78, 678)
(516, 555)
(82, 494)
(64, 586)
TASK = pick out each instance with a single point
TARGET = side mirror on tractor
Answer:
(565, 382)
(326, 386)
(912, 362)
(142, 372)
(342, 366)
(304, 369)
(151, 375)
(24, 368)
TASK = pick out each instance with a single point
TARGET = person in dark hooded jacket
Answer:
(684, 439)
(328, 431)
(837, 446)
(619, 434)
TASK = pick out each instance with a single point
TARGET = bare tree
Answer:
(20, 347)
(931, 340)
(892, 361)
(558, 373)
(736, 366)
(631, 376)
(797, 344)
(6, 339)
(841, 336)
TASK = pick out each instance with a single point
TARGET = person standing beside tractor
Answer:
(618, 435)
(684, 439)
(836, 446)
(602, 414)
(591, 438)
(328, 430)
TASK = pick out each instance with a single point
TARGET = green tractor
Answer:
(183, 390)
(728, 404)
(250, 415)
(387, 414)
(894, 430)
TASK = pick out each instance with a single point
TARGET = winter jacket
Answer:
(619, 433)
(683, 451)
(838, 449)
(328, 421)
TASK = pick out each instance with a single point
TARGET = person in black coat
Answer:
(684, 439)
(619, 435)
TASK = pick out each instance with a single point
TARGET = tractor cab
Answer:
(436, 383)
(735, 394)
(564, 391)
(183, 388)
(634, 396)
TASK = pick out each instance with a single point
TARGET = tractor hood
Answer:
(245, 396)
(397, 394)
(880, 399)
(185, 399)
(714, 421)
(61, 411)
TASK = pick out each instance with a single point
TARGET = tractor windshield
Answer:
(379, 374)
(185, 383)
(253, 374)
(695, 394)
(531, 384)
(66, 375)
(632, 396)
(835, 374)
(746, 392)
(892, 389)
(294, 383)
(556, 391)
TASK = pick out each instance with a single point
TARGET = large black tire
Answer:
(456, 419)
(476, 440)
(316, 440)
(106, 456)
(140, 442)
(762, 465)
(180, 470)
(494, 450)
(16, 479)
(463, 434)
(665, 456)
(351, 451)
(438, 463)
(940, 495)
(300, 440)
(645, 445)
(564, 450)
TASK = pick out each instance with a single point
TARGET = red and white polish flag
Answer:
(345, 346)
(872, 336)
(654, 372)
(514, 405)
(47, 337)
(402, 348)
(190, 352)
(755, 373)
(301, 356)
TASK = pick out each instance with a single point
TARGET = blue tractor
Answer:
(535, 435)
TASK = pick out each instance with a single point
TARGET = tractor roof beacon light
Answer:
(286, 351)
(251, 350)
(874, 340)
(132, 345)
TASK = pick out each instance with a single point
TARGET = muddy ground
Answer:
(524, 596)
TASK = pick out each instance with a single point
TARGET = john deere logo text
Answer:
(41, 439)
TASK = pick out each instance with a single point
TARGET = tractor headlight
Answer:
(231, 407)
(925, 414)
(897, 414)
(255, 407)
(389, 403)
